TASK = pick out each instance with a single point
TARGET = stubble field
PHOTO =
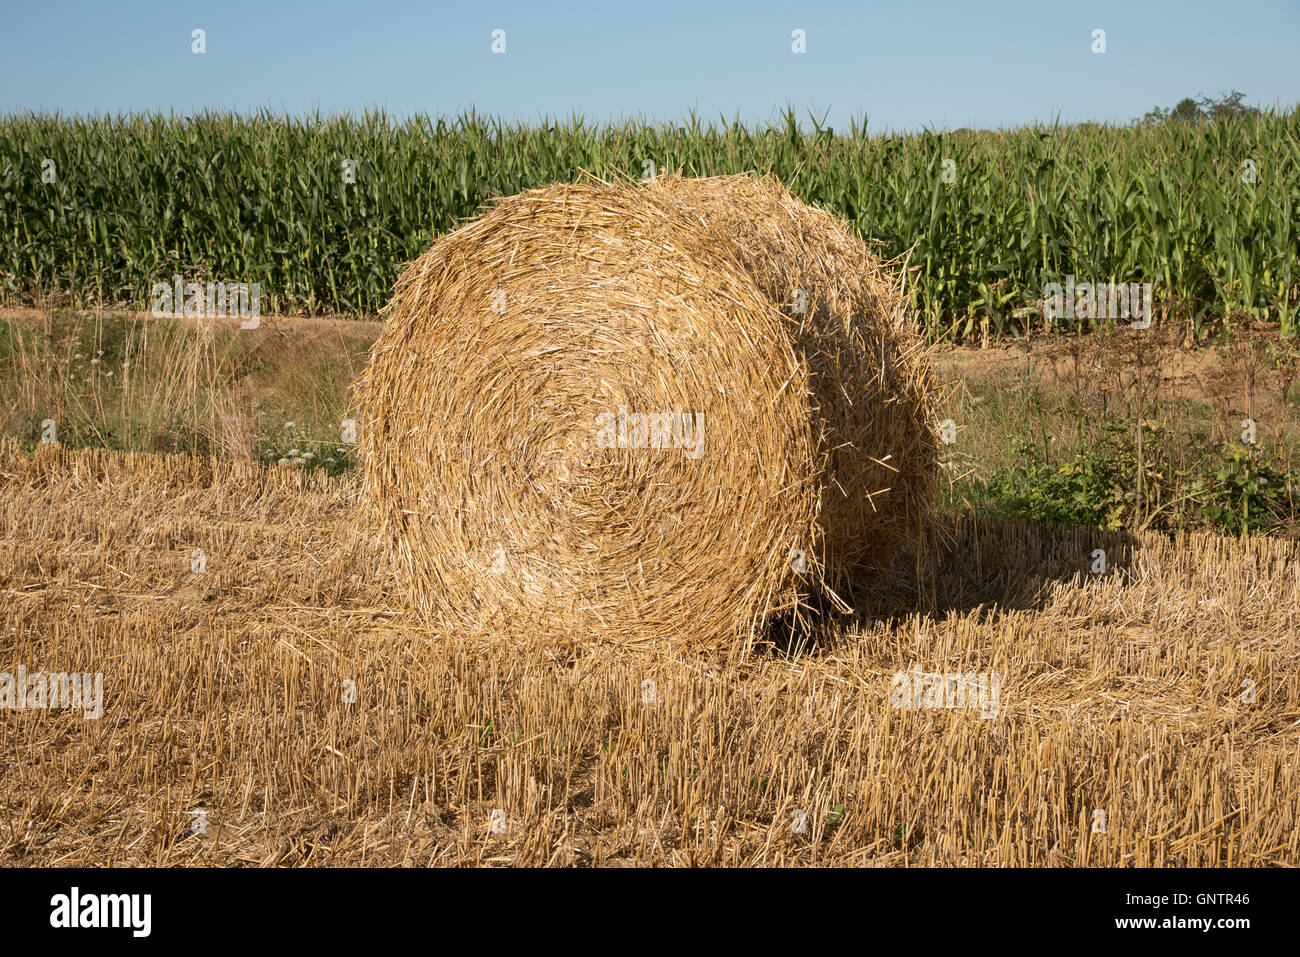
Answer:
(281, 707)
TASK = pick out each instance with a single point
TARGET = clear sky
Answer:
(906, 64)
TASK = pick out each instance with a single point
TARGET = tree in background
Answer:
(1188, 110)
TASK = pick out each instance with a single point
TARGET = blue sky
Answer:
(906, 64)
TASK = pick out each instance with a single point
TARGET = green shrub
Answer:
(1230, 487)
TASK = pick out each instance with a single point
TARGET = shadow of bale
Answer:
(970, 562)
(1008, 563)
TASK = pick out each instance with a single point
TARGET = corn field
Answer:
(323, 211)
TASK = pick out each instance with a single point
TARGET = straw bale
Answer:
(504, 450)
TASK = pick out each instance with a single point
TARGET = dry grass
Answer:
(120, 380)
(224, 692)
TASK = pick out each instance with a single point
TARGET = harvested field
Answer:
(1125, 693)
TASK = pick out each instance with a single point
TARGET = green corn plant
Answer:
(97, 209)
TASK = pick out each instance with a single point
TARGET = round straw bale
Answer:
(504, 443)
(589, 414)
